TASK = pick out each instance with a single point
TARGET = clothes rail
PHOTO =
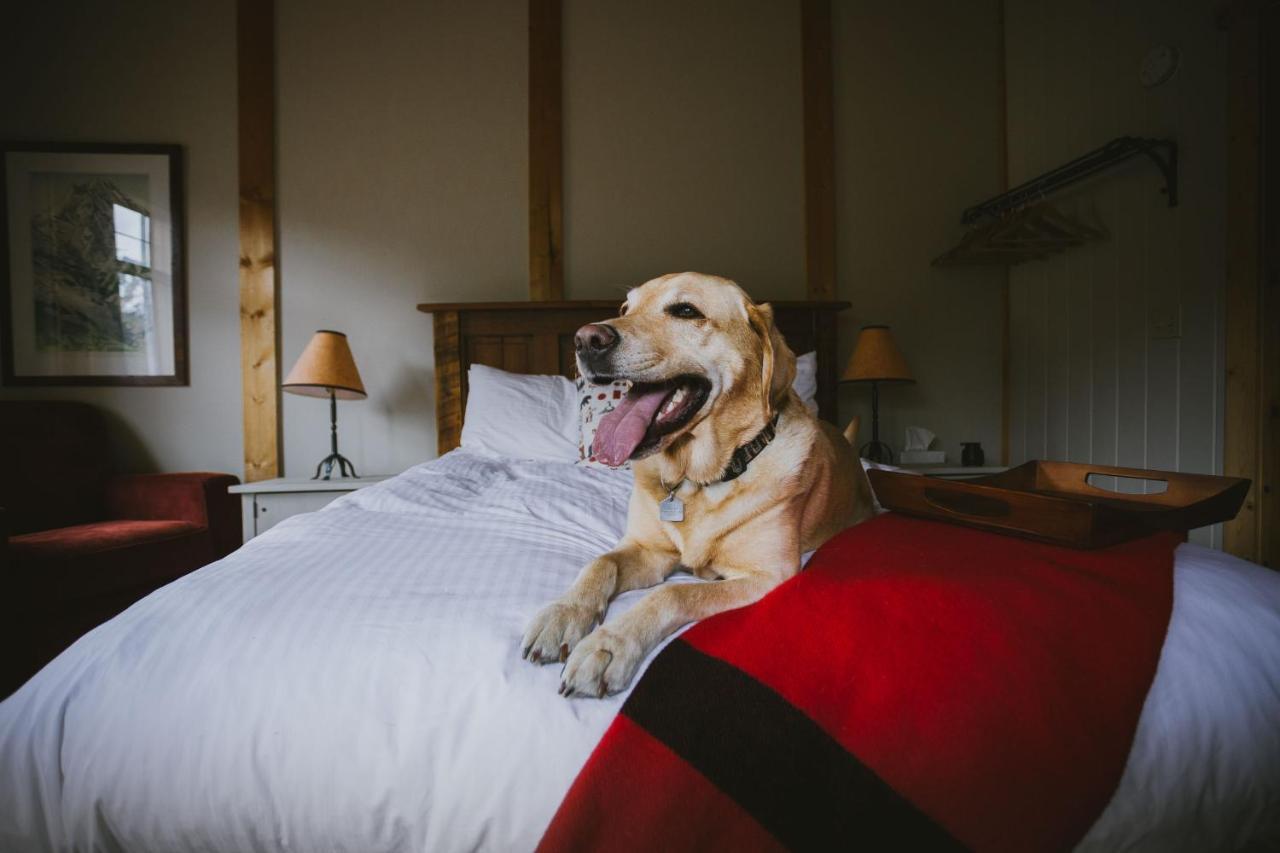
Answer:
(1162, 152)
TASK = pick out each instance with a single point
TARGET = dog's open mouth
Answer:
(649, 412)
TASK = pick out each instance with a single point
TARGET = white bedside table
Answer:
(266, 503)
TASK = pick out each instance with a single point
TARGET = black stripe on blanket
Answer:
(772, 759)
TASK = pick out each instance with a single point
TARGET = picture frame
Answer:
(93, 286)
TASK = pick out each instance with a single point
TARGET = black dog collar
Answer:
(743, 455)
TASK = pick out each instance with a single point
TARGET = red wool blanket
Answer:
(919, 686)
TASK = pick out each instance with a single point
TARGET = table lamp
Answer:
(326, 369)
(876, 359)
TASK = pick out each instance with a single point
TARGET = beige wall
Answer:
(148, 71)
(1092, 380)
(684, 150)
(402, 178)
(917, 101)
(683, 144)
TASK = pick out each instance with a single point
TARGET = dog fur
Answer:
(745, 535)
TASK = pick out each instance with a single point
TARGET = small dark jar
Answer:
(971, 455)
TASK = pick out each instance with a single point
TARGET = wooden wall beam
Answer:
(1269, 287)
(448, 380)
(1006, 273)
(1242, 435)
(546, 224)
(819, 150)
(259, 278)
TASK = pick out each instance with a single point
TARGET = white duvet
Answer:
(351, 680)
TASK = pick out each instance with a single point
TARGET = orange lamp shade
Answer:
(876, 358)
(326, 366)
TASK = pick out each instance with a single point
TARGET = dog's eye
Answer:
(684, 311)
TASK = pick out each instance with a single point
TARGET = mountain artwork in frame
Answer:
(92, 279)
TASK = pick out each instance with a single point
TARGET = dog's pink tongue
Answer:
(621, 431)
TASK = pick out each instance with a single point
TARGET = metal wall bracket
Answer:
(1162, 152)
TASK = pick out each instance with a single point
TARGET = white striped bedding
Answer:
(351, 680)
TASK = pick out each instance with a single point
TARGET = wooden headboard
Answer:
(537, 337)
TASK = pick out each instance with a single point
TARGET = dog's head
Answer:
(694, 347)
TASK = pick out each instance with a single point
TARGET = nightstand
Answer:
(266, 503)
(957, 472)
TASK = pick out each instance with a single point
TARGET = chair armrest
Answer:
(200, 498)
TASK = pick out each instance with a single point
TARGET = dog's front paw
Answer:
(602, 663)
(555, 631)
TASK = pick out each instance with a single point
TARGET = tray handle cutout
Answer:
(1121, 485)
(965, 503)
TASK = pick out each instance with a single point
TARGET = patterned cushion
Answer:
(594, 401)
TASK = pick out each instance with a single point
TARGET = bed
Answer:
(537, 338)
(351, 680)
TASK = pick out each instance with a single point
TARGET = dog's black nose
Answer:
(595, 339)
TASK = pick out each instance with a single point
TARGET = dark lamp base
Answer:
(334, 456)
(343, 465)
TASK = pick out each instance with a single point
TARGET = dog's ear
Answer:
(777, 361)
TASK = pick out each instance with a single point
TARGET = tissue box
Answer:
(923, 457)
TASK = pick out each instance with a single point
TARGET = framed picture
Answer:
(92, 282)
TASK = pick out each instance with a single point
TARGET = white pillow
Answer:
(593, 403)
(520, 416)
(806, 382)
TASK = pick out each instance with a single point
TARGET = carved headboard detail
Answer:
(537, 337)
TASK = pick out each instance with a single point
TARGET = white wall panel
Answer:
(1092, 381)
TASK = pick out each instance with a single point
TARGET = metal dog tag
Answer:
(671, 509)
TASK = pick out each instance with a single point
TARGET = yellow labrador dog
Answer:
(734, 478)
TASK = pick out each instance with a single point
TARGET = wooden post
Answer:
(546, 226)
(1240, 439)
(819, 150)
(1252, 417)
(448, 380)
(1269, 291)
(259, 365)
(1006, 273)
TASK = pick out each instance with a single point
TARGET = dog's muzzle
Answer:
(594, 344)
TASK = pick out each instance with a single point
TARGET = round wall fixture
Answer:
(1158, 65)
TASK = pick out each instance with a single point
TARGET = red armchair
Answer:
(78, 543)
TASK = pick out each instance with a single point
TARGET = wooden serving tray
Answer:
(1055, 502)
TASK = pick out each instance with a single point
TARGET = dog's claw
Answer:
(601, 665)
(555, 630)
